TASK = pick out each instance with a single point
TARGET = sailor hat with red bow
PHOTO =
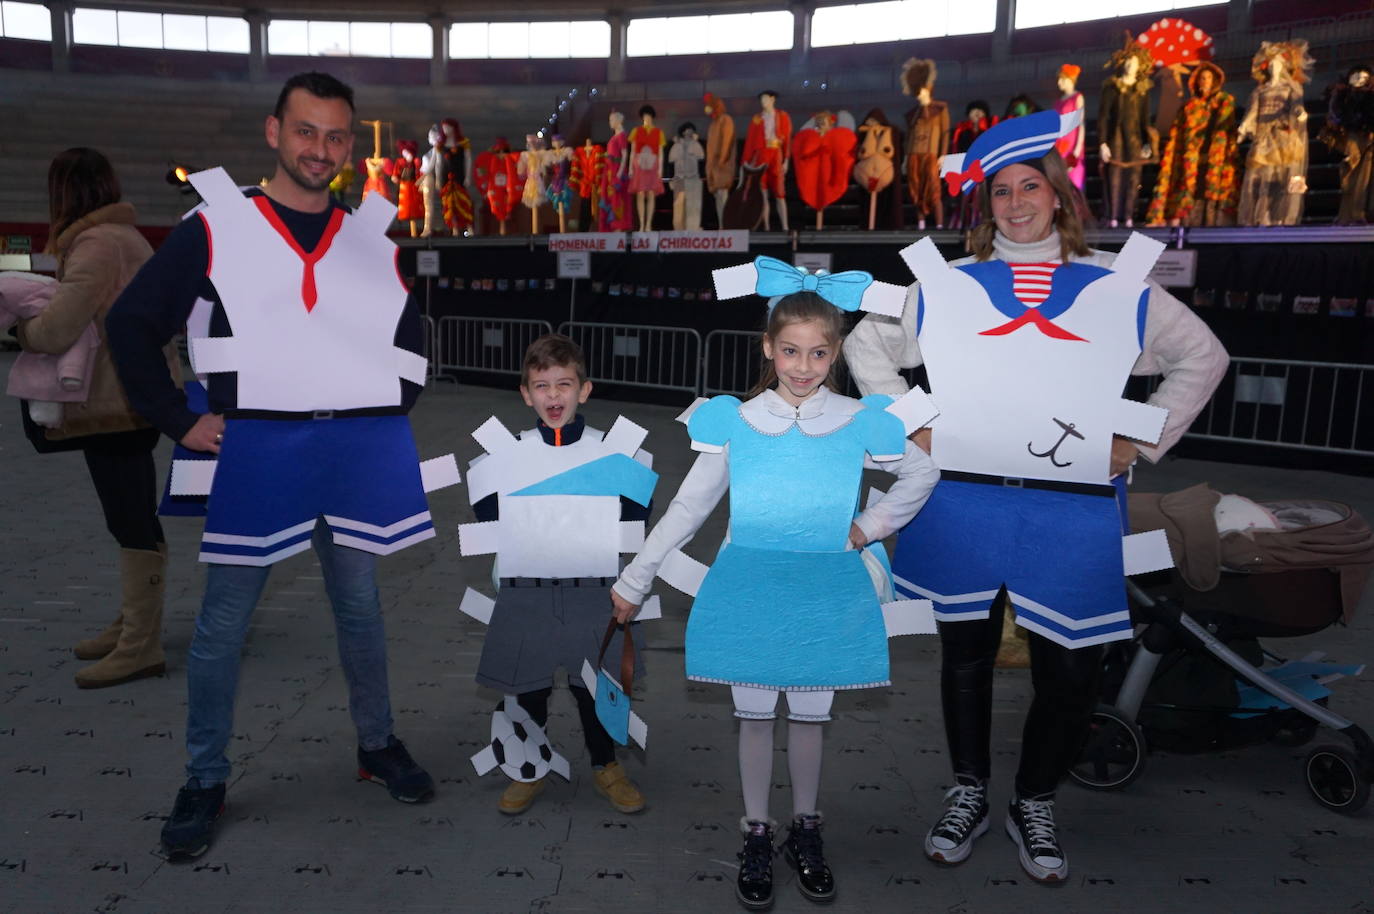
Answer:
(1014, 140)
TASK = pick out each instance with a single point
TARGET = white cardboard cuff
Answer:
(410, 365)
(884, 298)
(682, 572)
(192, 477)
(477, 605)
(439, 473)
(1140, 421)
(914, 408)
(625, 437)
(212, 354)
(1145, 552)
(481, 538)
(909, 617)
(735, 282)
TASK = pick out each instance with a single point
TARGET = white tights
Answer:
(754, 707)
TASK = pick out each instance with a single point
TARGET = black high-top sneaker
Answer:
(755, 886)
(950, 840)
(803, 852)
(1030, 823)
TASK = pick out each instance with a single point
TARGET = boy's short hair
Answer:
(553, 349)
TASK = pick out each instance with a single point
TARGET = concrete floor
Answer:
(87, 776)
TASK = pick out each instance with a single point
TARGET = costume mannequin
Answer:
(457, 164)
(1177, 46)
(1276, 168)
(557, 168)
(495, 178)
(376, 165)
(431, 179)
(405, 171)
(824, 150)
(588, 162)
(768, 145)
(720, 154)
(646, 165)
(614, 212)
(531, 174)
(1123, 126)
(1020, 106)
(876, 167)
(927, 139)
(686, 157)
(1070, 146)
(1197, 170)
(977, 119)
(1350, 131)
(343, 181)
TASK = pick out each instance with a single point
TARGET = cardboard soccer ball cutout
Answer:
(518, 746)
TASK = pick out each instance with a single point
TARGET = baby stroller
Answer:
(1195, 677)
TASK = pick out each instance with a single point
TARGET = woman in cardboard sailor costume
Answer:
(1027, 345)
(787, 606)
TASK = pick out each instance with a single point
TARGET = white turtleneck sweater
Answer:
(1178, 345)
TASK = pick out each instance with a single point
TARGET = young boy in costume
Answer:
(555, 562)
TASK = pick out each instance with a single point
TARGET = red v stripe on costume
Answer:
(309, 294)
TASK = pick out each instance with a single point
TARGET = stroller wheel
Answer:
(1333, 776)
(1114, 754)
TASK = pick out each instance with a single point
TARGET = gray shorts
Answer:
(538, 626)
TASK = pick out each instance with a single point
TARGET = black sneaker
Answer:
(1030, 823)
(755, 886)
(188, 831)
(394, 769)
(802, 851)
(950, 841)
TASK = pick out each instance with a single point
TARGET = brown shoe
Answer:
(616, 786)
(519, 796)
(98, 646)
(138, 650)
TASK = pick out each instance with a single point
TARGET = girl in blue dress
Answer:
(788, 605)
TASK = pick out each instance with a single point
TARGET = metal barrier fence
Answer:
(495, 344)
(1310, 406)
(732, 365)
(665, 358)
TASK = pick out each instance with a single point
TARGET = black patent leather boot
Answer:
(803, 852)
(755, 886)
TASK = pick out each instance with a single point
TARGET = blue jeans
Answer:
(212, 667)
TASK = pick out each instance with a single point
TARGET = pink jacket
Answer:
(62, 378)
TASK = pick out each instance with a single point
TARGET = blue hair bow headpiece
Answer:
(852, 290)
(843, 290)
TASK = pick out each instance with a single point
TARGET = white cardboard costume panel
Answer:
(555, 535)
(1025, 403)
(320, 334)
(559, 536)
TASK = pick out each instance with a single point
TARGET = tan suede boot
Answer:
(100, 645)
(138, 652)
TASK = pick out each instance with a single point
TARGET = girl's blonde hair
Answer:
(798, 308)
(1066, 219)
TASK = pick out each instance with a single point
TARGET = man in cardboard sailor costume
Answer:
(1028, 345)
(312, 359)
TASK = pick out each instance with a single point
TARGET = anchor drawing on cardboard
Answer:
(557, 537)
(1030, 401)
